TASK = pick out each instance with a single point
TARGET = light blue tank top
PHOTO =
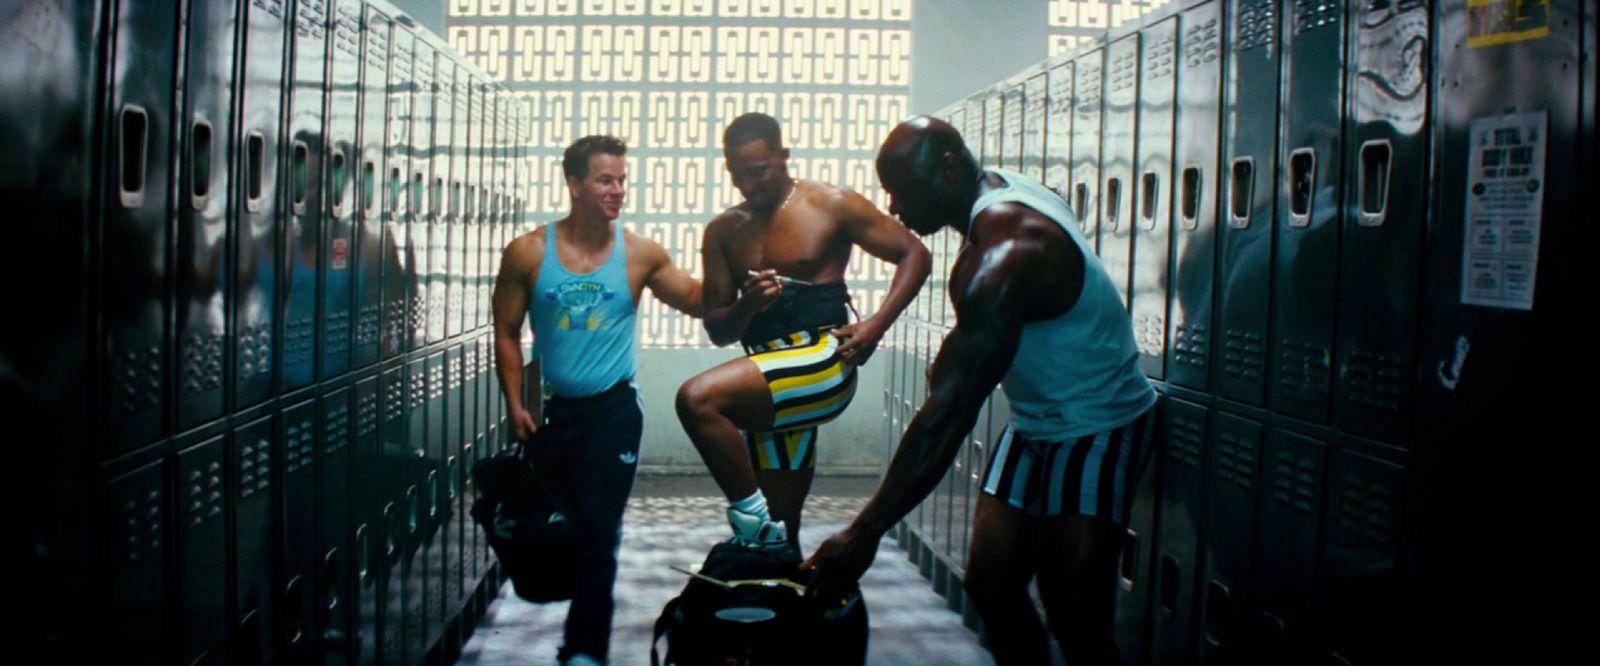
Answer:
(583, 325)
(1077, 374)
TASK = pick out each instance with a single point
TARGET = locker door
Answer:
(419, 205)
(1248, 186)
(51, 107)
(1058, 130)
(1035, 95)
(302, 227)
(133, 229)
(1152, 209)
(994, 129)
(202, 556)
(1198, 178)
(375, 250)
(365, 530)
(334, 513)
(1284, 602)
(472, 248)
(1362, 593)
(1311, 152)
(253, 615)
(203, 208)
(343, 185)
(1386, 196)
(256, 258)
(399, 264)
(1177, 571)
(296, 518)
(383, 604)
(1233, 467)
(1086, 106)
(1012, 131)
(440, 211)
(136, 550)
(1118, 130)
(455, 317)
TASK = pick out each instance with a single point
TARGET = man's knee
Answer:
(695, 398)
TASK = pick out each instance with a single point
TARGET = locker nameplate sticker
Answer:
(1505, 206)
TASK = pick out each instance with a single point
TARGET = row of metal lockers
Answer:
(1281, 191)
(254, 278)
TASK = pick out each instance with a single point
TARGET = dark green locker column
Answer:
(203, 209)
(257, 275)
(295, 509)
(253, 616)
(202, 553)
(135, 308)
(1384, 219)
(1152, 205)
(1507, 278)
(343, 185)
(1058, 131)
(375, 249)
(1250, 107)
(1118, 130)
(1304, 270)
(333, 628)
(301, 233)
(1197, 189)
(1086, 108)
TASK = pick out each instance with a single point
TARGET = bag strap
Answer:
(661, 629)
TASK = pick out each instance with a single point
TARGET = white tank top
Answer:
(1077, 374)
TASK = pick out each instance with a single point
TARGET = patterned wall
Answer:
(668, 75)
(1073, 22)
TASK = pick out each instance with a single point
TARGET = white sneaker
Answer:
(755, 532)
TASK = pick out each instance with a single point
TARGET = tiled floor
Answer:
(674, 521)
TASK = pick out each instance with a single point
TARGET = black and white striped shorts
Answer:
(1088, 476)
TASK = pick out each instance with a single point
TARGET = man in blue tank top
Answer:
(754, 419)
(578, 281)
(1036, 313)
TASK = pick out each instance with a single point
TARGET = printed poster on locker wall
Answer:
(1505, 205)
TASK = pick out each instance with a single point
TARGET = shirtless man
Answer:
(786, 248)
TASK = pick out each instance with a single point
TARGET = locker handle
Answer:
(1273, 629)
(391, 521)
(1217, 604)
(1189, 201)
(1113, 202)
(417, 186)
(199, 164)
(363, 552)
(369, 202)
(1150, 192)
(1129, 574)
(457, 204)
(1171, 572)
(450, 479)
(300, 169)
(1302, 185)
(433, 494)
(437, 204)
(1376, 163)
(472, 200)
(292, 594)
(1241, 194)
(1080, 198)
(336, 178)
(250, 633)
(332, 573)
(413, 511)
(255, 164)
(396, 193)
(131, 155)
